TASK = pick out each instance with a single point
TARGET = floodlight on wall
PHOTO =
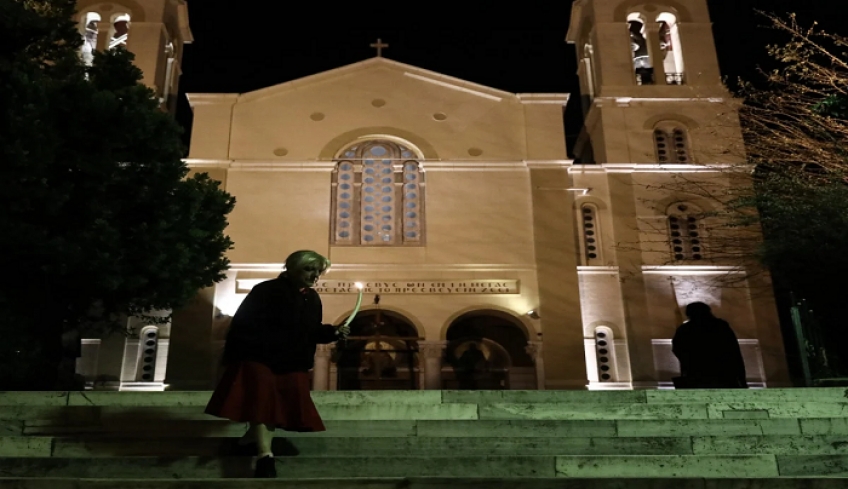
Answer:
(533, 314)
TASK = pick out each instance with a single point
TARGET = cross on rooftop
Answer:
(379, 45)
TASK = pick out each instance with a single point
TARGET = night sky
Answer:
(265, 54)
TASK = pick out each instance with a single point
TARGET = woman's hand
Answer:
(343, 330)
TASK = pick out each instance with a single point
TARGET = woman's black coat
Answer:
(278, 325)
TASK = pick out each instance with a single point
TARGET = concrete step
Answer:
(693, 410)
(94, 415)
(816, 395)
(210, 428)
(833, 395)
(411, 446)
(528, 428)
(425, 483)
(201, 398)
(461, 465)
(427, 446)
(130, 427)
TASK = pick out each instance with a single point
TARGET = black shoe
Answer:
(266, 468)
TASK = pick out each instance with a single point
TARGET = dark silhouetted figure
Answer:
(708, 352)
(468, 366)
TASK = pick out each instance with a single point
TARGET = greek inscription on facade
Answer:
(420, 287)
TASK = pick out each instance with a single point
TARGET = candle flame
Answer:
(358, 285)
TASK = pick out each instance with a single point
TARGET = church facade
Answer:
(488, 258)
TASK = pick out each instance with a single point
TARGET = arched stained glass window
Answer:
(378, 195)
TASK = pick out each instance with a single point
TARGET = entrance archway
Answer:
(381, 353)
(487, 351)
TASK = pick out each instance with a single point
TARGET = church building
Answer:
(489, 258)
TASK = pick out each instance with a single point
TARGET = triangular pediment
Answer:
(374, 67)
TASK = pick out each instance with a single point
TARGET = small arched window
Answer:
(686, 232)
(378, 195)
(605, 354)
(643, 68)
(119, 32)
(671, 143)
(89, 31)
(148, 343)
(670, 52)
(591, 234)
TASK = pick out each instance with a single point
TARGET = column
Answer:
(652, 29)
(433, 352)
(321, 370)
(534, 349)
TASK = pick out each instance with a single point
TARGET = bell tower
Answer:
(657, 113)
(155, 31)
(651, 86)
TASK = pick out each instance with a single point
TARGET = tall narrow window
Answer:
(642, 65)
(588, 67)
(119, 32)
(586, 75)
(148, 346)
(671, 144)
(605, 354)
(170, 68)
(90, 24)
(591, 235)
(670, 51)
(685, 231)
(378, 195)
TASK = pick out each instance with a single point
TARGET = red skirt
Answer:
(251, 392)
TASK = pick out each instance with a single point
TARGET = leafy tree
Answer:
(796, 130)
(100, 218)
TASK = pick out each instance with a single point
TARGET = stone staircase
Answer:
(730, 439)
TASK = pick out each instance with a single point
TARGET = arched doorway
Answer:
(487, 351)
(381, 353)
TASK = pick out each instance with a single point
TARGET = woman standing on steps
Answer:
(269, 351)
